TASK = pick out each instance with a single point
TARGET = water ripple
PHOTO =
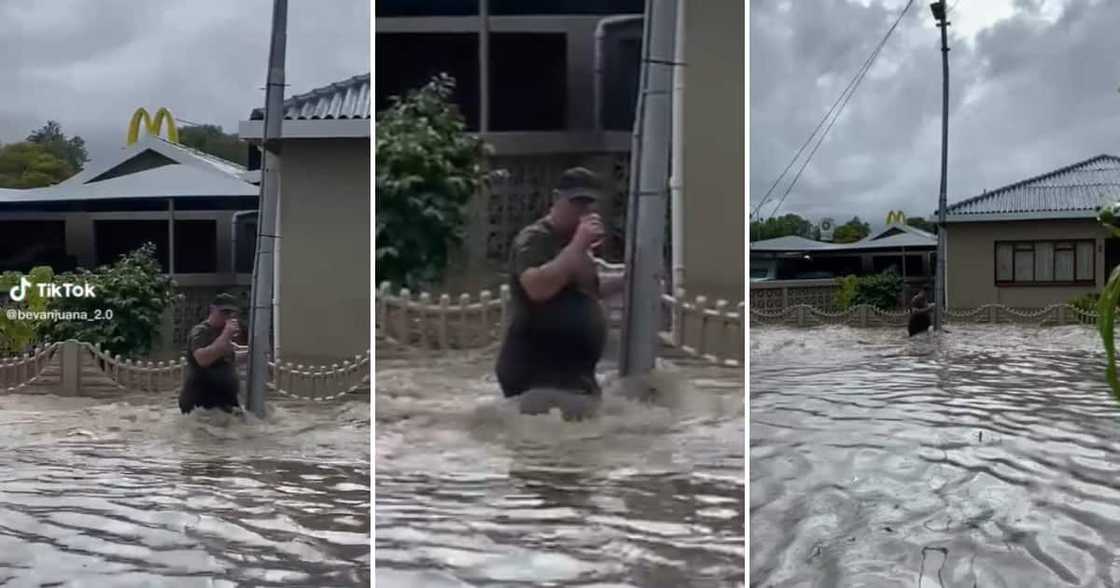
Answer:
(986, 456)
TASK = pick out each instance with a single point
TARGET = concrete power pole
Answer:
(649, 193)
(940, 291)
(261, 312)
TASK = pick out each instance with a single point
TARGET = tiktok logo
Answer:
(18, 293)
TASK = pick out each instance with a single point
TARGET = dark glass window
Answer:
(528, 81)
(30, 243)
(407, 61)
(195, 242)
(388, 8)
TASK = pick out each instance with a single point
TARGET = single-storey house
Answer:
(323, 221)
(1035, 242)
(908, 250)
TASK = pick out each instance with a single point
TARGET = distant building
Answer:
(323, 277)
(905, 249)
(1035, 242)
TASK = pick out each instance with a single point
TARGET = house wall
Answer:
(324, 250)
(713, 149)
(972, 260)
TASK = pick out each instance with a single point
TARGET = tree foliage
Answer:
(783, 226)
(851, 231)
(923, 224)
(17, 335)
(880, 290)
(72, 150)
(31, 165)
(213, 140)
(428, 168)
(132, 289)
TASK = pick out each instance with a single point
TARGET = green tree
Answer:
(72, 150)
(211, 139)
(130, 297)
(923, 224)
(851, 231)
(783, 226)
(31, 165)
(18, 335)
(428, 168)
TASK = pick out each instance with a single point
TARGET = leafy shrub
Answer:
(428, 168)
(847, 292)
(1086, 303)
(880, 290)
(17, 336)
(132, 289)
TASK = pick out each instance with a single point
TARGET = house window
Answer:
(196, 249)
(1041, 263)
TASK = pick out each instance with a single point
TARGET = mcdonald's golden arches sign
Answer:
(153, 126)
(896, 217)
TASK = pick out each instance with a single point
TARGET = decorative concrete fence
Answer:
(317, 383)
(868, 316)
(711, 332)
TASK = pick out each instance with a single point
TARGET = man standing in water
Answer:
(210, 377)
(558, 329)
(920, 311)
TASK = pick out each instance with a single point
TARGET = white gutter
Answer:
(676, 173)
(600, 60)
(276, 276)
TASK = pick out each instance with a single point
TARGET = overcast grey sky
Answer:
(90, 64)
(1033, 87)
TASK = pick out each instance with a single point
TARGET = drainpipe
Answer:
(676, 175)
(233, 238)
(600, 60)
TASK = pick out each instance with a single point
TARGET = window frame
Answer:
(1019, 246)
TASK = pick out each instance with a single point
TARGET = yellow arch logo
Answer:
(153, 126)
(896, 217)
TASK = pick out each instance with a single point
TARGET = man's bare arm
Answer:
(205, 356)
(544, 281)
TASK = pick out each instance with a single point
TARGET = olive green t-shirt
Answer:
(555, 342)
(215, 384)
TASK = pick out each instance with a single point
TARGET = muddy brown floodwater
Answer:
(125, 491)
(987, 457)
(472, 493)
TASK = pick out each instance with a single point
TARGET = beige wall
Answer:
(714, 157)
(324, 251)
(971, 262)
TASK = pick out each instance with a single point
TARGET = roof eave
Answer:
(346, 128)
(1021, 216)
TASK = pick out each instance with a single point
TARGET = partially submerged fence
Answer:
(699, 329)
(317, 383)
(868, 316)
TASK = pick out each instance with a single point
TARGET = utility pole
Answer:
(260, 314)
(940, 292)
(649, 193)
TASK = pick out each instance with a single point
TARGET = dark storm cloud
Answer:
(89, 65)
(1028, 94)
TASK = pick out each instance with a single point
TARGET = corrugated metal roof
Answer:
(1083, 186)
(895, 236)
(788, 243)
(348, 99)
(180, 181)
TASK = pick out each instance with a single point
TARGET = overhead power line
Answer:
(838, 107)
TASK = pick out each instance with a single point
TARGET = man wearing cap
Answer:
(210, 377)
(557, 328)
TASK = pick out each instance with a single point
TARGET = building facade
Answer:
(323, 254)
(1035, 242)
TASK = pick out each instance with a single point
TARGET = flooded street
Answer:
(128, 492)
(989, 457)
(472, 493)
